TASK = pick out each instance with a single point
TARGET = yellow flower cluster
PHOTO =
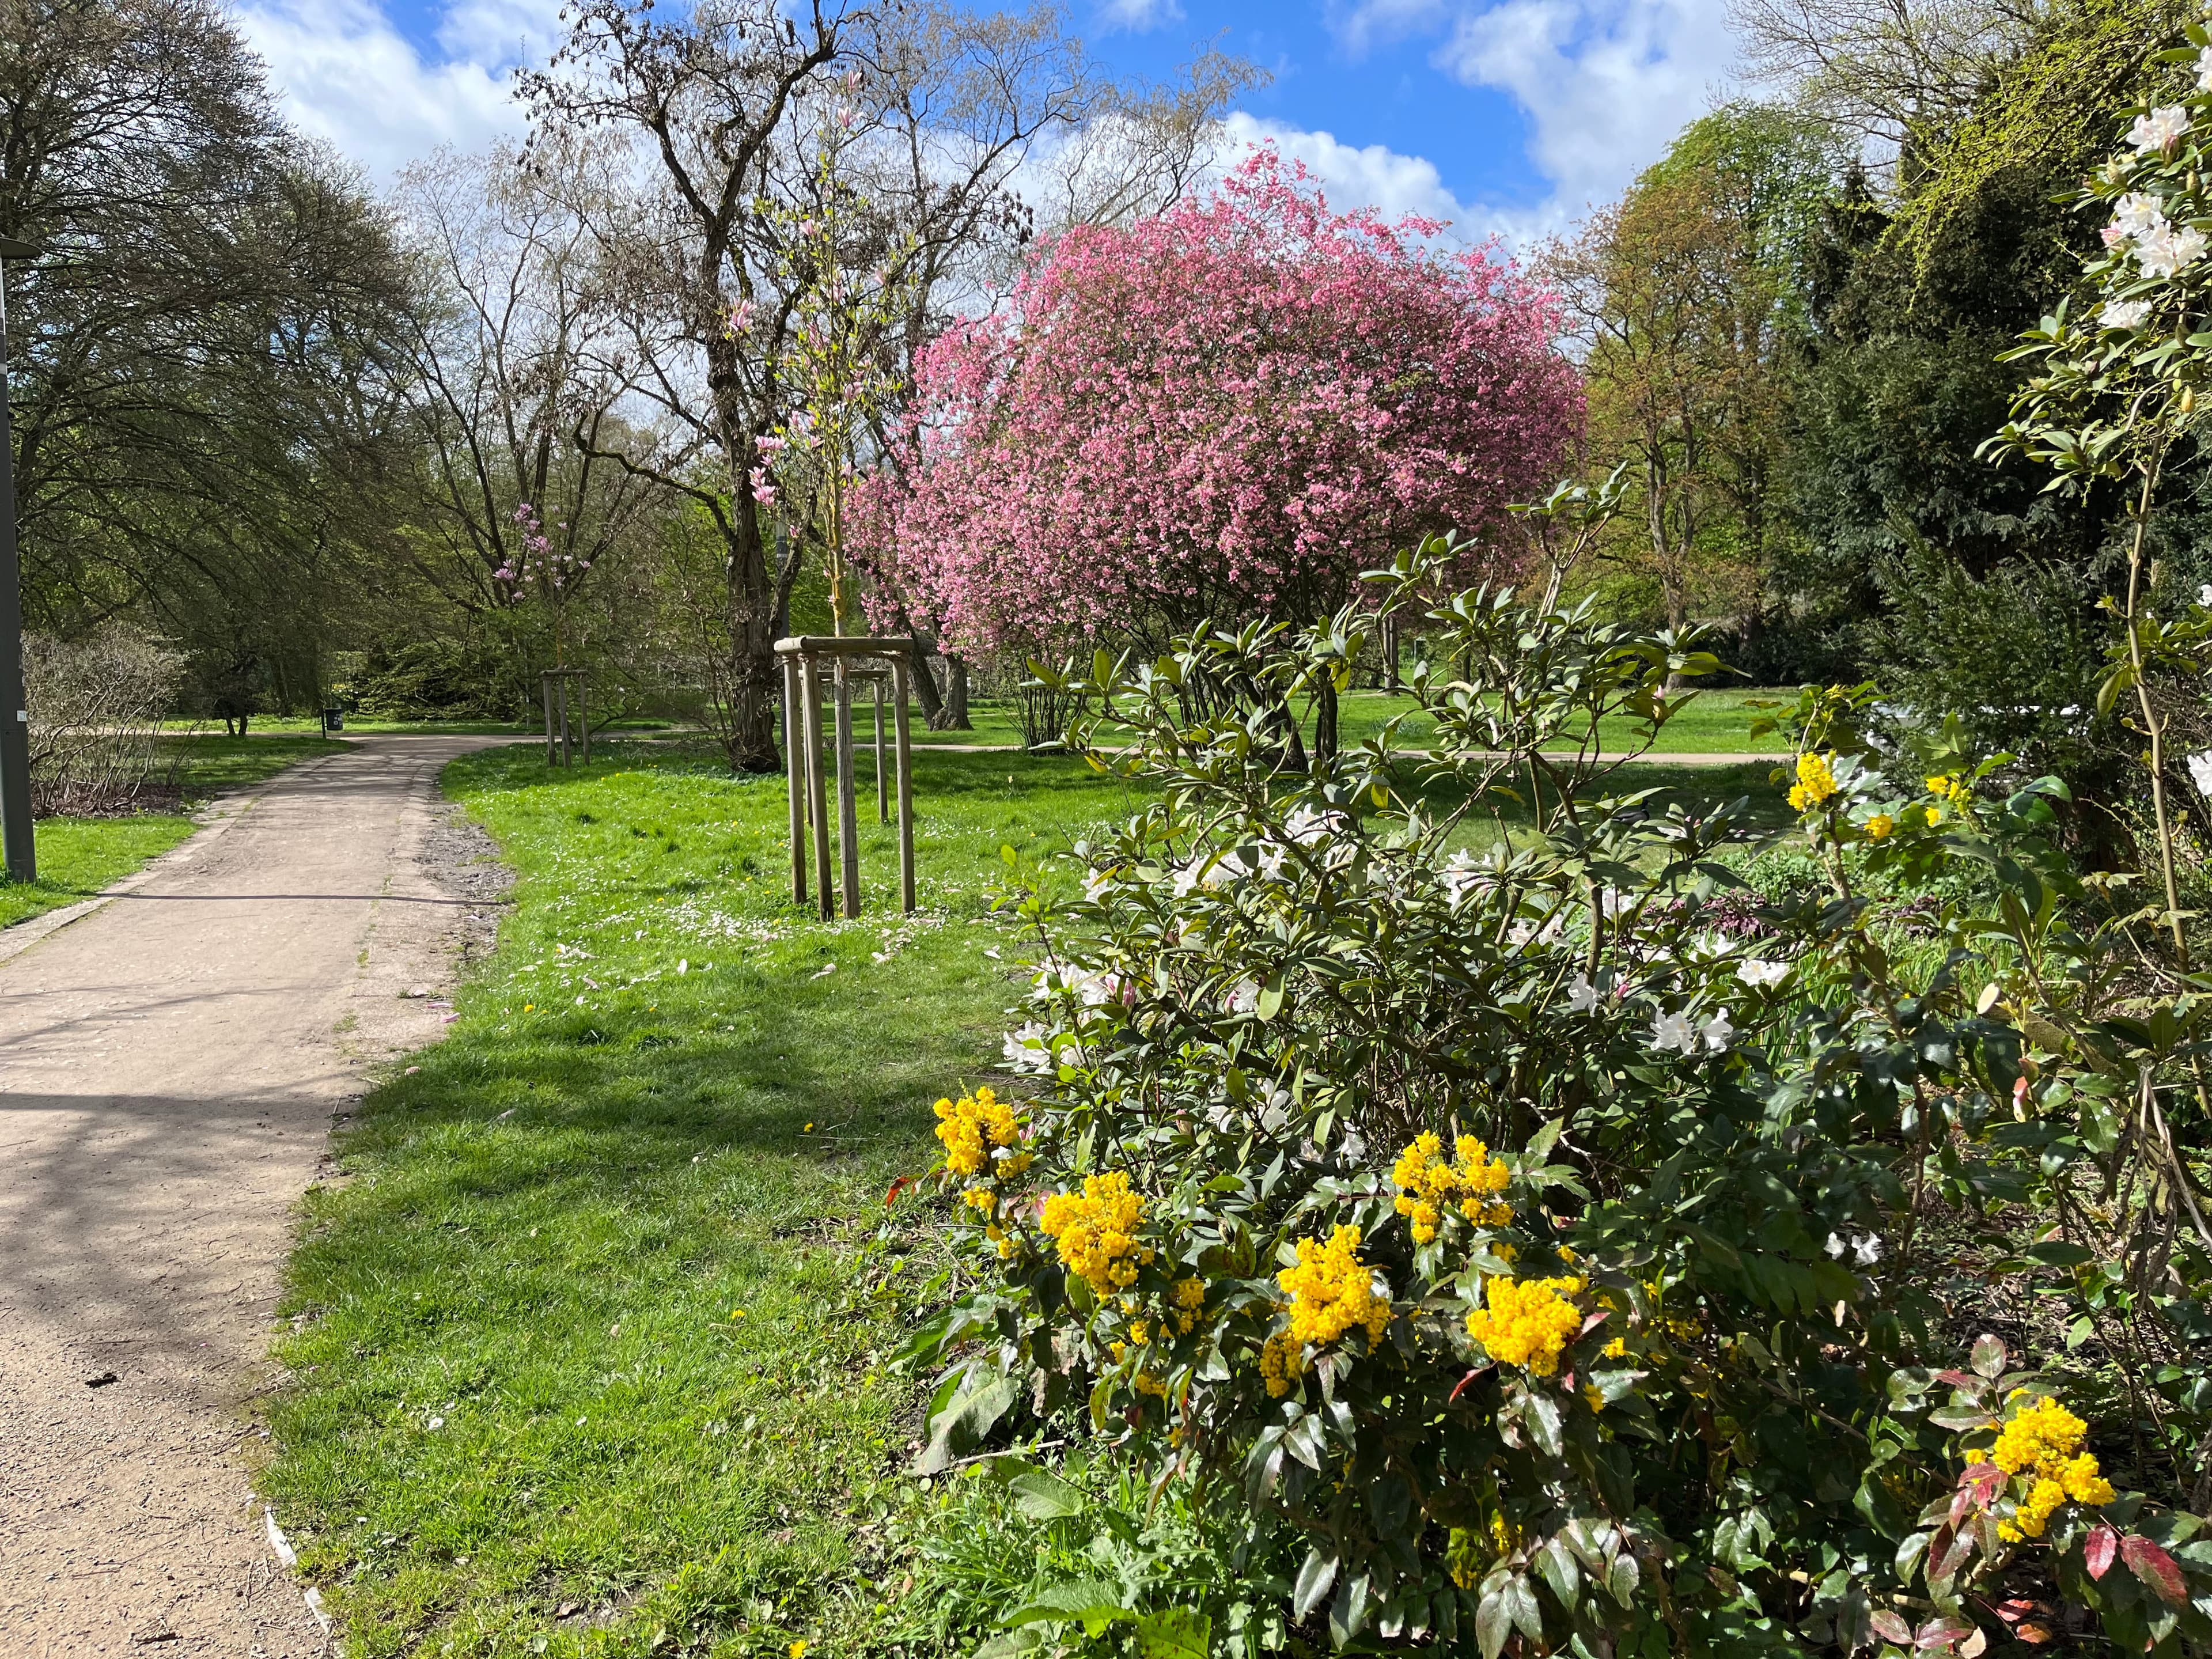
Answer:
(1427, 1183)
(1947, 787)
(1095, 1230)
(1880, 826)
(975, 1125)
(1331, 1291)
(2042, 1446)
(1527, 1321)
(1816, 781)
(1190, 1302)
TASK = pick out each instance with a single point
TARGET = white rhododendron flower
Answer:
(1762, 975)
(1244, 997)
(2125, 313)
(1461, 873)
(2204, 593)
(1716, 1031)
(2205, 69)
(2137, 214)
(1672, 1031)
(1025, 1049)
(2158, 129)
(2162, 253)
(1582, 995)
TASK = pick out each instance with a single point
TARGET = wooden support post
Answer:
(848, 817)
(545, 696)
(561, 684)
(883, 777)
(817, 805)
(583, 720)
(794, 772)
(905, 786)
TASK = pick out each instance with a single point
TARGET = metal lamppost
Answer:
(22, 858)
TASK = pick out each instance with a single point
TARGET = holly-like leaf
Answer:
(1988, 1358)
(2103, 1545)
(1314, 1580)
(1890, 1627)
(1493, 1623)
(2155, 1568)
(1983, 1482)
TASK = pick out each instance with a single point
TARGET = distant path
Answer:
(169, 1068)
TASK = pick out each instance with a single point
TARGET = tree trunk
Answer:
(1324, 747)
(956, 695)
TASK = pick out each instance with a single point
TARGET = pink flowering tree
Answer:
(540, 568)
(1225, 411)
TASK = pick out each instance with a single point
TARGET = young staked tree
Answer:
(1684, 296)
(1224, 411)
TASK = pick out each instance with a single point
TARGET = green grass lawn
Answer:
(573, 1336)
(1715, 722)
(79, 857)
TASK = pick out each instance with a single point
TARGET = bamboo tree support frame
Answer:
(807, 768)
(553, 689)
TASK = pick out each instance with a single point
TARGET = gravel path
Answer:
(170, 1066)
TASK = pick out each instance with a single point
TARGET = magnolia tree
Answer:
(1227, 409)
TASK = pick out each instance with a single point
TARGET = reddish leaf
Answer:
(2104, 1544)
(897, 1187)
(1593, 1320)
(1891, 1628)
(2013, 1611)
(1986, 1482)
(1464, 1381)
(2034, 1634)
(2155, 1568)
(1960, 1380)
(1988, 1357)
(1942, 1633)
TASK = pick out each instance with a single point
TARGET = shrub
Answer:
(1456, 1174)
(96, 706)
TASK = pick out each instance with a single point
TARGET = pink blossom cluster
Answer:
(1228, 410)
(536, 562)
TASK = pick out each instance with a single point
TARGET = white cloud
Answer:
(1137, 15)
(347, 76)
(1363, 176)
(1605, 84)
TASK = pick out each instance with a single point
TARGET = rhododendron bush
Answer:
(1551, 1241)
(1228, 410)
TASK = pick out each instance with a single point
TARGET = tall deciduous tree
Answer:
(204, 374)
(1686, 296)
(1227, 409)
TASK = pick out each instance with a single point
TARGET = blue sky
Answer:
(1502, 115)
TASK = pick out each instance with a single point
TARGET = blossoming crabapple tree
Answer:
(1225, 411)
(1547, 1238)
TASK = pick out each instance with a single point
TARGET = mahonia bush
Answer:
(1664, 1357)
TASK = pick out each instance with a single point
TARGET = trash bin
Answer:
(334, 719)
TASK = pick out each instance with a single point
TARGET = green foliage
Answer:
(1564, 1245)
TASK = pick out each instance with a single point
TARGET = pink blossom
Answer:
(1228, 410)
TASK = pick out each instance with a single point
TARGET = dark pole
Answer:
(22, 856)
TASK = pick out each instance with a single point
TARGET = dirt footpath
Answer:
(169, 1069)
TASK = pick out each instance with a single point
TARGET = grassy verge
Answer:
(571, 1363)
(79, 857)
(574, 1369)
(1717, 722)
